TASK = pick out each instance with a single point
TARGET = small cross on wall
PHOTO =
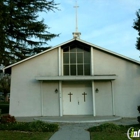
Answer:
(84, 94)
(70, 95)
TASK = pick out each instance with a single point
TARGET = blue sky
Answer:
(106, 23)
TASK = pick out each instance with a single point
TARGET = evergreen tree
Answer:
(5, 85)
(137, 27)
(22, 34)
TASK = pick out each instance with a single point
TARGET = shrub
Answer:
(4, 108)
(138, 118)
(42, 127)
(8, 119)
(106, 127)
(37, 126)
(138, 109)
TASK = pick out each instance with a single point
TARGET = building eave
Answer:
(76, 78)
(38, 54)
(108, 51)
(80, 40)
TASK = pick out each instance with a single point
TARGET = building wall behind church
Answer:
(25, 98)
(126, 86)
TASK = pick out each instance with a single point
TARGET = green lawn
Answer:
(109, 131)
(108, 136)
(25, 135)
(14, 135)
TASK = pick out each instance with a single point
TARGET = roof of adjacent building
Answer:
(82, 41)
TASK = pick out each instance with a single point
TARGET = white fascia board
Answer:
(85, 42)
(111, 52)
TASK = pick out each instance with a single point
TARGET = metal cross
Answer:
(76, 7)
(84, 96)
(70, 95)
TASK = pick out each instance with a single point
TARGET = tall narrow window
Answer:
(76, 60)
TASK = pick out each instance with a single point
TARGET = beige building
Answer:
(75, 78)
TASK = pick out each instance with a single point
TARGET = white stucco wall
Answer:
(27, 93)
(103, 99)
(50, 99)
(126, 86)
(25, 98)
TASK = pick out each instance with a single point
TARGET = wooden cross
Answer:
(70, 95)
(84, 96)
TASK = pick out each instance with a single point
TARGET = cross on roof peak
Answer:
(76, 34)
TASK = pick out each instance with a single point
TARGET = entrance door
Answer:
(77, 98)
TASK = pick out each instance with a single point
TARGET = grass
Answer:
(110, 131)
(108, 136)
(25, 131)
(14, 135)
(36, 126)
(36, 130)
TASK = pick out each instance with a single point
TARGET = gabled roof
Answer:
(111, 52)
(82, 41)
(12, 65)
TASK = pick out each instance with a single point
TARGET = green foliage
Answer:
(37, 126)
(21, 30)
(106, 127)
(137, 27)
(138, 109)
(138, 118)
(5, 85)
(4, 108)
(42, 127)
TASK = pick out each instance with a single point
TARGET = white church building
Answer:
(75, 78)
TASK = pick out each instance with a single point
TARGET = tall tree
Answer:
(22, 33)
(5, 85)
(137, 27)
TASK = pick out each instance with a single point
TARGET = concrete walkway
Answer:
(78, 119)
(71, 132)
(78, 131)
